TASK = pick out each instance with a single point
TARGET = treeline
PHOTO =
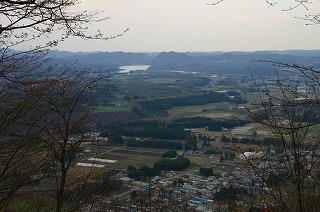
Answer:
(155, 144)
(212, 124)
(168, 103)
(191, 144)
(206, 171)
(170, 154)
(152, 129)
(144, 172)
(167, 164)
(137, 173)
(266, 141)
(228, 156)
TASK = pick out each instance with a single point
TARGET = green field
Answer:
(195, 159)
(98, 171)
(140, 160)
(110, 109)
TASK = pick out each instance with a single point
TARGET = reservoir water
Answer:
(127, 69)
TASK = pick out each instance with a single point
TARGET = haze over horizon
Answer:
(213, 51)
(190, 25)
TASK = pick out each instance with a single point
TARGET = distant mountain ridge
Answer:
(215, 62)
(233, 62)
(101, 60)
(114, 58)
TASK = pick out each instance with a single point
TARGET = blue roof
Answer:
(147, 187)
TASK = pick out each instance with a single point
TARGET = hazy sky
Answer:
(191, 25)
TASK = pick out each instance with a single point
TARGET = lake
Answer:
(127, 69)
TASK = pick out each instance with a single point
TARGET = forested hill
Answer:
(101, 60)
(214, 62)
(233, 62)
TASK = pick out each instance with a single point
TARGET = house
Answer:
(156, 179)
(190, 152)
(152, 188)
(248, 155)
(205, 208)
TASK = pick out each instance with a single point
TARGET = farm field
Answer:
(107, 109)
(223, 110)
(125, 156)
(138, 87)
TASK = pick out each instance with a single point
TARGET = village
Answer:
(232, 181)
